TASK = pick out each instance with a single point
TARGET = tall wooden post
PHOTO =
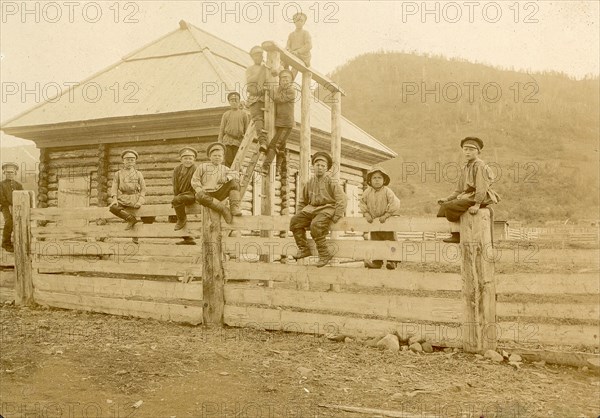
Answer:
(268, 183)
(336, 134)
(478, 284)
(304, 168)
(213, 276)
(21, 210)
(336, 155)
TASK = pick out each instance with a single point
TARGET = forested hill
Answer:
(540, 131)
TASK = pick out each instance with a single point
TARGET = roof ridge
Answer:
(189, 26)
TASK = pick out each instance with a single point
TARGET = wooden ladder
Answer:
(238, 162)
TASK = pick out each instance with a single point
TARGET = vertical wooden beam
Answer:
(21, 210)
(478, 283)
(336, 134)
(304, 167)
(268, 181)
(213, 275)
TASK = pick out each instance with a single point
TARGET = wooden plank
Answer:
(117, 230)
(449, 335)
(297, 64)
(570, 358)
(21, 210)
(305, 138)
(351, 224)
(7, 259)
(547, 334)
(391, 306)
(118, 267)
(213, 276)
(336, 133)
(124, 307)
(549, 283)
(445, 335)
(92, 213)
(50, 250)
(403, 280)
(117, 288)
(583, 311)
(354, 249)
(479, 287)
(7, 295)
(249, 136)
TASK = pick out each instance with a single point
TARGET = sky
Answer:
(66, 42)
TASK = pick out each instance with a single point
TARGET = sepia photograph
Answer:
(244, 209)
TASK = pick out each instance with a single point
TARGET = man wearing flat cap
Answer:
(183, 191)
(128, 189)
(214, 182)
(234, 123)
(321, 204)
(473, 190)
(7, 186)
(284, 96)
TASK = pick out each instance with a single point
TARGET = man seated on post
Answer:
(213, 182)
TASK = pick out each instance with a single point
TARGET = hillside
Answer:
(540, 131)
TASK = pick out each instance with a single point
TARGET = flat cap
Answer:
(322, 155)
(472, 140)
(10, 164)
(214, 146)
(188, 151)
(130, 151)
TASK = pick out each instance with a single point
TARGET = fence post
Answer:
(213, 276)
(478, 284)
(22, 203)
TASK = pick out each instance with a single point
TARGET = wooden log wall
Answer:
(43, 179)
(68, 163)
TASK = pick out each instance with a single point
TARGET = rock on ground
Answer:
(389, 342)
(416, 347)
(494, 356)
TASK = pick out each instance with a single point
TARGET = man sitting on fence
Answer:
(321, 204)
(473, 190)
(183, 191)
(128, 189)
(213, 182)
(8, 185)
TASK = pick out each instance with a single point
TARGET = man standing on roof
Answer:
(7, 186)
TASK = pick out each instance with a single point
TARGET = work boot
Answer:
(131, 221)
(181, 217)
(302, 244)
(325, 255)
(186, 241)
(454, 239)
(217, 206)
(8, 247)
(263, 143)
(390, 265)
(234, 203)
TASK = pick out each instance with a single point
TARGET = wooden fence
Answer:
(97, 268)
(567, 235)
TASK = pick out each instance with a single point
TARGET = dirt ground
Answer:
(57, 363)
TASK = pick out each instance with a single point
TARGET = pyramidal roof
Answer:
(185, 70)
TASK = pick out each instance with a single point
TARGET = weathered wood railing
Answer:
(98, 268)
(83, 258)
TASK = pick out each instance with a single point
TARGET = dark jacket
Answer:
(6, 189)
